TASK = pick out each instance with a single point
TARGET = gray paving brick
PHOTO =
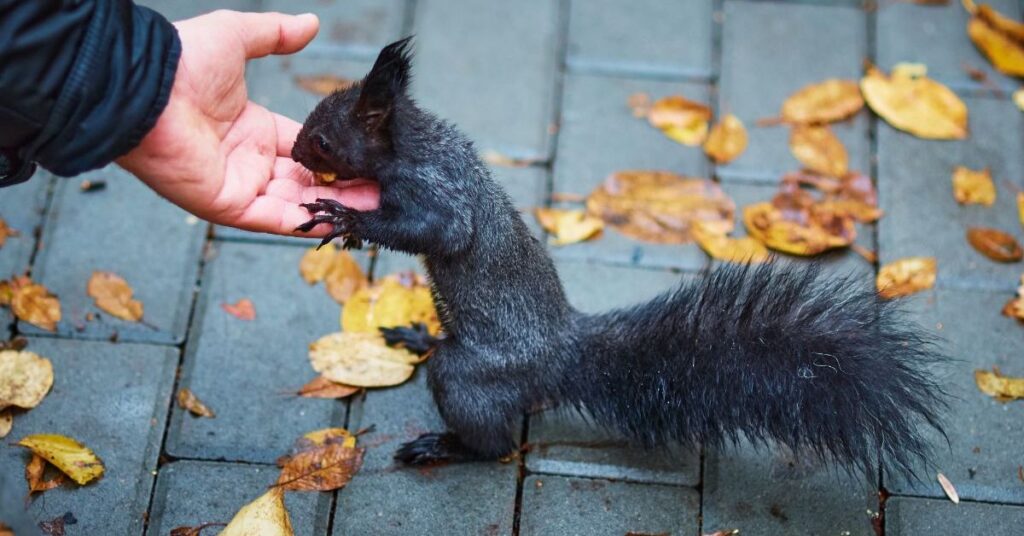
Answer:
(600, 136)
(474, 498)
(808, 44)
(112, 398)
(650, 37)
(906, 516)
(937, 36)
(190, 493)
(760, 491)
(131, 231)
(595, 288)
(353, 27)
(21, 206)
(983, 454)
(577, 506)
(915, 191)
(246, 371)
(490, 68)
(185, 9)
(528, 188)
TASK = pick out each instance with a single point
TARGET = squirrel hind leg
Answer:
(430, 449)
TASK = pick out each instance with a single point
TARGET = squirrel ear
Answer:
(388, 80)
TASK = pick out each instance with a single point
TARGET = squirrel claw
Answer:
(341, 218)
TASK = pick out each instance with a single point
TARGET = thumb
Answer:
(263, 34)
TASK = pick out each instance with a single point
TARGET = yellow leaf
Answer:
(25, 378)
(321, 387)
(266, 516)
(947, 487)
(973, 187)
(361, 359)
(68, 455)
(819, 150)
(568, 226)
(680, 119)
(823, 102)
(660, 207)
(34, 304)
(6, 422)
(323, 84)
(188, 401)
(6, 232)
(317, 263)
(744, 250)
(1020, 206)
(324, 468)
(1003, 388)
(728, 139)
(770, 226)
(1018, 98)
(906, 276)
(390, 303)
(918, 105)
(113, 295)
(1001, 39)
(337, 268)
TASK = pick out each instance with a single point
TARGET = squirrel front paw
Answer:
(341, 218)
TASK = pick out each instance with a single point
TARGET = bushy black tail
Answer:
(770, 352)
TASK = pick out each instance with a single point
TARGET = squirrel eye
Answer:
(321, 144)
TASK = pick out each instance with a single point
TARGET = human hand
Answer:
(220, 156)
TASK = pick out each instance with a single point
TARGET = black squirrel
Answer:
(772, 353)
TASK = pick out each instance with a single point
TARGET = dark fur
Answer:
(774, 352)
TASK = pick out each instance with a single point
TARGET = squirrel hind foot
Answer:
(428, 449)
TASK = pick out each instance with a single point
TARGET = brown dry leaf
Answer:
(1015, 307)
(1018, 98)
(323, 84)
(25, 378)
(853, 196)
(918, 105)
(681, 119)
(193, 531)
(947, 487)
(819, 150)
(114, 296)
(316, 439)
(6, 232)
(188, 401)
(390, 302)
(793, 232)
(906, 276)
(661, 207)
(639, 104)
(568, 226)
(243, 309)
(57, 525)
(34, 476)
(1001, 39)
(728, 140)
(6, 422)
(266, 516)
(34, 304)
(361, 360)
(68, 455)
(325, 468)
(973, 187)
(823, 102)
(745, 250)
(1002, 388)
(321, 387)
(994, 244)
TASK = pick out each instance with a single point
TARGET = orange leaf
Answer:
(321, 387)
(187, 400)
(796, 232)
(994, 244)
(5, 232)
(823, 102)
(34, 476)
(243, 309)
(326, 468)
(34, 304)
(113, 295)
(728, 139)
(906, 276)
(819, 150)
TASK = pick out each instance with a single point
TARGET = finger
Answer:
(269, 214)
(287, 131)
(263, 34)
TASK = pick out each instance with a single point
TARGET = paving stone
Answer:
(189, 493)
(491, 71)
(352, 27)
(528, 187)
(915, 192)
(246, 371)
(185, 9)
(473, 498)
(809, 43)
(21, 207)
(761, 491)
(600, 136)
(936, 35)
(650, 37)
(597, 288)
(578, 506)
(112, 398)
(983, 454)
(127, 229)
(905, 516)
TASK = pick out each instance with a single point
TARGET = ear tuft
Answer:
(388, 80)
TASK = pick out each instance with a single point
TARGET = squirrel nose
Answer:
(321, 146)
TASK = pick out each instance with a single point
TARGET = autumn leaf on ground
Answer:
(995, 244)
(336, 268)
(681, 119)
(316, 439)
(114, 295)
(851, 196)
(639, 104)
(726, 532)
(6, 422)
(194, 531)
(947, 487)
(906, 276)
(393, 301)
(568, 226)
(325, 468)
(1000, 38)
(6, 232)
(34, 304)
(361, 360)
(823, 102)
(661, 207)
(1020, 207)
(323, 84)
(25, 378)
(68, 455)
(1015, 307)
(187, 400)
(973, 187)
(57, 525)
(5, 530)
(788, 224)
(495, 158)
(266, 516)
(745, 250)
(918, 105)
(819, 150)
(243, 309)
(1018, 98)
(321, 387)
(34, 476)
(1002, 388)
(728, 140)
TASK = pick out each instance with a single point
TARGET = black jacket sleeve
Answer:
(81, 82)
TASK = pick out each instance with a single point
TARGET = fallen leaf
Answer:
(390, 302)
(918, 105)
(1001, 39)
(68, 455)
(337, 268)
(906, 276)
(495, 158)
(34, 476)
(854, 196)
(25, 378)
(819, 150)
(34, 304)
(6, 422)
(5, 530)
(187, 400)
(681, 119)
(6, 232)
(568, 226)
(728, 140)
(1018, 98)
(947, 487)
(661, 207)
(639, 104)
(745, 250)
(56, 526)
(973, 187)
(361, 360)
(323, 84)
(193, 531)
(243, 309)
(321, 387)
(1015, 307)
(316, 439)
(266, 516)
(823, 102)
(995, 244)
(326, 468)
(114, 296)
(726, 532)
(1020, 206)
(779, 230)
(1002, 388)
(317, 263)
